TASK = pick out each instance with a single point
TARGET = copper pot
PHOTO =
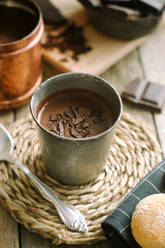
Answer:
(21, 29)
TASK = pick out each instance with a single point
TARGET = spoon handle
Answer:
(68, 214)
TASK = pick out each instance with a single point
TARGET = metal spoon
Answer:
(68, 214)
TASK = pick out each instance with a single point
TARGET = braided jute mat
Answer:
(134, 152)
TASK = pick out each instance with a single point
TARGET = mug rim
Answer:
(70, 74)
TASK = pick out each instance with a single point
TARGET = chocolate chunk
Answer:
(53, 127)
(148, 6)
(147, 94)
(66, 115)
(74, 111)
(84, 125)
(83, 111)
(154, 94)
(78, 118)
(152, 5)
(136, 88)
(66, 130)
(61, 129)
(75, 133)
(52, 118)
(50, 13)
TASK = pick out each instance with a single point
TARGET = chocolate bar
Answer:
(150, 6)
(147, 6)
(51, 14)
(147, 94)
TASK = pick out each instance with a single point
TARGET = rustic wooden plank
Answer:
(102, 244)
(9, 236)
(32, 240)
(8, 230)
(152, 55)
(23, 111)
(160, 121)
(6, 117)
(60, 246)
(83, 246)
(48, 71)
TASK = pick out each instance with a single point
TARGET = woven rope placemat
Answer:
(133, 154)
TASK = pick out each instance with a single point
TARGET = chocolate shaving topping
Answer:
(75, 133)
(66, 130)
(52, 118)
(76, 122)
(52, 127)
(61, 128)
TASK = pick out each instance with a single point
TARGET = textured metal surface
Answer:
(80, 160)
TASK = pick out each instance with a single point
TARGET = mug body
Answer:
(76, 160)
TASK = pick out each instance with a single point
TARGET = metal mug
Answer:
(75, 160)
(20, 56)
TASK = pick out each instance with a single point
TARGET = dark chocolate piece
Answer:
(147, 6)
(146, 94)
(127, 11)
(157, 5)
(76, 122)
(51, 14)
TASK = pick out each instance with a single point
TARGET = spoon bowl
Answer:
(6, 141)
(70, 216)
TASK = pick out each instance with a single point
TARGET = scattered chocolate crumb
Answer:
(64, 60)
(70, 38)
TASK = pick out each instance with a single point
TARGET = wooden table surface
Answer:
(147, 61)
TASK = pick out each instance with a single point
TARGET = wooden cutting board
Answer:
(105, 51)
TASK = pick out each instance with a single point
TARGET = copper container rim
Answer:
(10, 46)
